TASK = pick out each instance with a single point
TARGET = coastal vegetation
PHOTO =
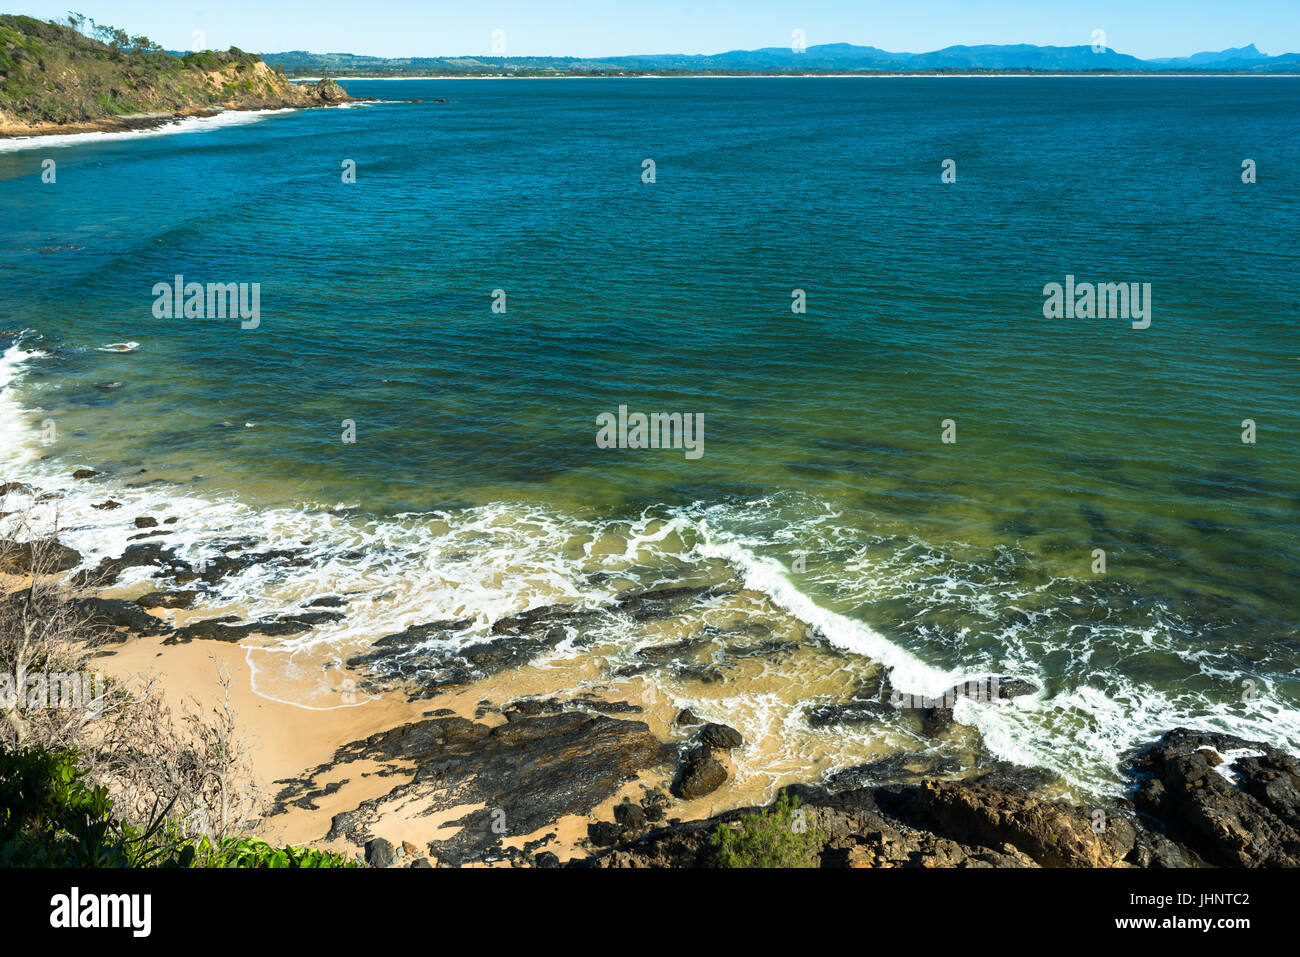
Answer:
(97, 773)
(52, 816)
(779, 836)
(79, 73)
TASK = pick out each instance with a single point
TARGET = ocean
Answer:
(925, 470)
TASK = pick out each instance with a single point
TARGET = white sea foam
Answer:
(490, 561)
(769, 576)
(16, 440)
(189, 124)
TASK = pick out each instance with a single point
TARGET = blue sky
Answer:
(1145, 28)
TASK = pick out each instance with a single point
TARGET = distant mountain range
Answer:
(825, 58)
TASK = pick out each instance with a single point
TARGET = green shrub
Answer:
(49, 817)
(777, 837)
(252, 853)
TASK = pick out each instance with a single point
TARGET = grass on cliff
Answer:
(53, 73)
(780, 836)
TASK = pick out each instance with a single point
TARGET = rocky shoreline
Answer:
(580, 780)
(298, 96)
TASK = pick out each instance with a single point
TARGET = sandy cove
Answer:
(499, 751)
(289, 741)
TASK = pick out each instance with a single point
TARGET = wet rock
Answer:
(379, 853)
(610, 707)
(846, 714)
(522, 776)
(310, 619)
(542, 618)
(1212, 756)
(212, 629)
(144, 521)
(167, 599)
(868, 703)
(720, 736)
(109, 570)
(224, 629)
(700, 777)
(604, 833)
(327, 602)
(1052, 833)
(47, 557)
(107, 506)
(897, 769)
(546, 859)
(663, 602)
(399, 657)
(935, 721)
(1240, 814)
(84, 474)
(17, 488)
(107, 616)
(421, 862)
(655, 805)
(687, 718)
(631, 817)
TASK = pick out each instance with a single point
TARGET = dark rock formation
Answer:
(379, 853)
(109, 617)
(1052, 833)
(516, 640)
(663, 602)
(698, 777)
(524, 775)
(167, 599)
(48, 557)
(224, 629)
(629, 816)
(1246, 817)
(720, 736)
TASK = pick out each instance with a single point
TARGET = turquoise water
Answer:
(476, 429)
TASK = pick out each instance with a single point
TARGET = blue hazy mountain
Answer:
(822, 58)
(1237, 55)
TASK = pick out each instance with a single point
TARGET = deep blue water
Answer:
(822, 430)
